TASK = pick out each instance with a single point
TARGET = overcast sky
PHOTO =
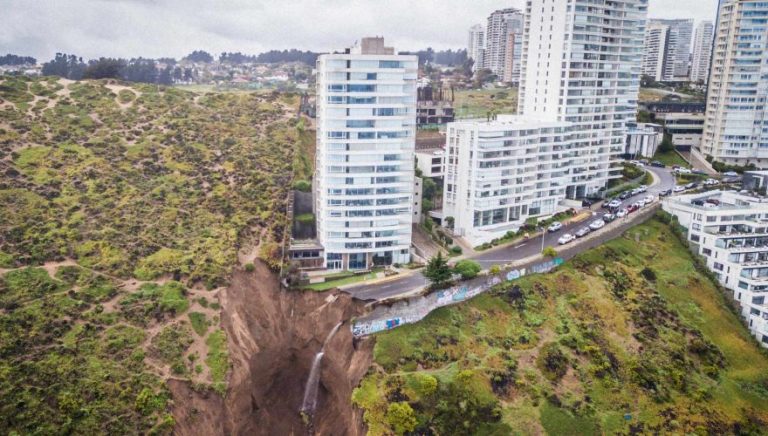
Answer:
(157, 28)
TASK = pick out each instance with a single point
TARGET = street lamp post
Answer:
(543, 233)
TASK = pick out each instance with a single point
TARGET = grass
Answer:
(640, 329)
(473, 103)
(345, 280)
(218, 359)
(670, 158)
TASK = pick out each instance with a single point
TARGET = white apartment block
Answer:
(582, 65)
(501, 172)
(654, 49)
(364, 182)
(643, 139)
(730, 231)
(667, 49)
(476, 46)
(497, 33)
(736, 128)
(431, 163)
(702, 51)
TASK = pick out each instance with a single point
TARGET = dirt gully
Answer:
(274, 338)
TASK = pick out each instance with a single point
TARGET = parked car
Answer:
(583, 232)
(691, 185)
(597, 224)
(679, 188)
(622, 213)
(657, 164)
(711, 182)
(587, 202)
(566, 238)
(635, 191)
(554, 227)
(633, 207)
(640, 203)
(614, 204)
(649, 199)
(624, 195)
(642, 188)
(682, 171)
(731, 174)
(609, 217)
(665, 193)
(698, 171)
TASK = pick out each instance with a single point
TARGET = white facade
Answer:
(501, 172)
(730, 231)
(582, 65)
(685, 129)
(736, 129)
(431, 163)
(654, 49)
(500, 24)
(643, 139)
(702, 51)
(364, 183)
(476, 46)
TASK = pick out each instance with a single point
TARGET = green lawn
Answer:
(472, 103)
(670, 158)
(345, 280)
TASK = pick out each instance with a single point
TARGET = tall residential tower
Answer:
(736, 125)
(366, 124)
(476, 46)
(702, 51)
(581, 64)
(501, 24)
(667, 49)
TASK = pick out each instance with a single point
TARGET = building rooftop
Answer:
(722, 200)
(511, 121)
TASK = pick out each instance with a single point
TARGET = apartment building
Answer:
(643, 139)
(702, 51)
(503, 25)
(655, 50)
(685, 129)
(736, 127)
(730, 230)
(364, 181)
(476, 46)
(431, 163)
(582, 65)
(667, 49)
(500, 172)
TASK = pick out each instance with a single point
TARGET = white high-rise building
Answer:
(702, 51)
(667, 49)
(654, 49)
(580, 77)
(582, 65)
(500, 23)
(476, 46)
(736, 125)
(366, 125)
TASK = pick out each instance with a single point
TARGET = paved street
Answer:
(504, 255)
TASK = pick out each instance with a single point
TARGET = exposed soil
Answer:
(273, 337)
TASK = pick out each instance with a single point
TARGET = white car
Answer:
(731, 174)
(614, 204)
(566, 238)
(682, 171)
(622, 213)
(642, 188)
(597, 225)
(679, 188)
(649, 199)
(555, 227)
(711, 182)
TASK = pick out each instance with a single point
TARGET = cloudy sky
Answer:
(156, 28)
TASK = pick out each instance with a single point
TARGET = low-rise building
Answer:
(643, 139)
(730, 230)
(431, 163)
(434, 107)
(501, 172)
(685, 129)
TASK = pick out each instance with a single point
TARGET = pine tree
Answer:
(437, 271)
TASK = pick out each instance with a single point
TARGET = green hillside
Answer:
(122, 210)
(628, 337)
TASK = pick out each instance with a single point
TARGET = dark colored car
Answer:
(587, 202)
(666, 193)
(691, 186)
(624, 195)
(657, 164)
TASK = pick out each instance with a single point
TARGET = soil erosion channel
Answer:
(275, 338)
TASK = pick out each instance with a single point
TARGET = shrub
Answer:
(250, 267)
(549, 252)
(456, 249)
(552, 362)
(468, 269)
(649, 274)
(401, 418)
(495, 269)
(302, 185)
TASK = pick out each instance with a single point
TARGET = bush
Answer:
(468, 269)
(302, 185)
(549, 252)
(649, 274)
(495, 269)
(456, 250)
(401, 418)
(250, 267)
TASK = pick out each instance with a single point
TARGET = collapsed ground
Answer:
(123, 210)
(628, 337)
